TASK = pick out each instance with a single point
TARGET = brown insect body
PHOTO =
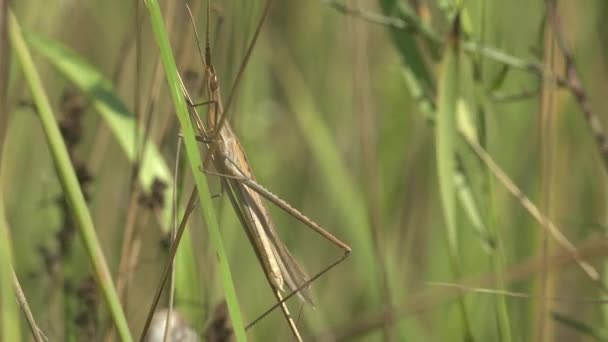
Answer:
(229, 158)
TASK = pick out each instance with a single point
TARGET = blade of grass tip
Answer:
(445, 140)
(113, 111)
(68, 179)
(9, 310)
(192, 153)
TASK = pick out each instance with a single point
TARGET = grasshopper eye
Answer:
(213, 82)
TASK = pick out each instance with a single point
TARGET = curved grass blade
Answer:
(445, 134)
(192, 153)
(113, 111)
(67, 177)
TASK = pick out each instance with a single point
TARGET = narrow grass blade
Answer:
(487, 227)
(9, 310)
(113, 111)
(192, 153)
(445, 134)
(25, 308)
(445, 140)
(405, 43)
(68, 179)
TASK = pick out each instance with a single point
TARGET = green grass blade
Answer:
(487, 226)
(113, 111)
(9, 310)
(445, 141)
(415, 67)
(445, 134)
(192, 153)
(68, 179)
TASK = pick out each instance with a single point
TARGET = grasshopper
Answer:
(246, 194)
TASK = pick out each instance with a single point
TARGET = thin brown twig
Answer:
(527, 204)
(522, 295)
(37, 333)
(129, 233)
(173, 241)
(180, 231)
(575, 86)
(127, 256)
(127, 244)
(102, 135)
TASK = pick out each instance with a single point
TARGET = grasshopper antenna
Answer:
(207, 55)
(207, 48)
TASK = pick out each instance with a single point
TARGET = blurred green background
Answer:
(331, 125)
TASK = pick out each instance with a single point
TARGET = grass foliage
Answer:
(418, 135)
